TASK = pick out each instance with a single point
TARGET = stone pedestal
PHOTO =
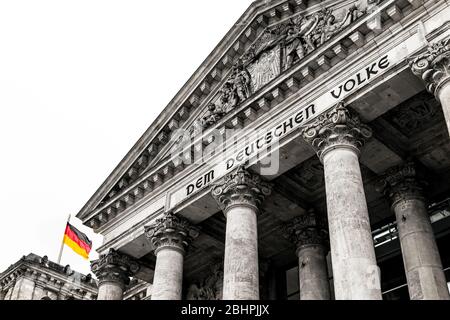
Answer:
(423, 266)
(433, 67)
(170, 236)
(337, 138)
(113, 271)
(239, 197)
(308, 233)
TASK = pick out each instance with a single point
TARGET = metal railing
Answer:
(405, 285)
(438, 211)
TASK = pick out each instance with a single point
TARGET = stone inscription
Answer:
(361, 77)
(299, 117)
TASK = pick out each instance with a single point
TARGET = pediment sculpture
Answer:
(276, 50)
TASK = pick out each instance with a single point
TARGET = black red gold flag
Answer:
(77, 240)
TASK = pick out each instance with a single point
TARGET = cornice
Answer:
(280, 82)
(309, 92)
(222, 49)
(36, 273)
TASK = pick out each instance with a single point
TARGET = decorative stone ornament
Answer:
(277, 49)
(423, 266)
(114, 267)
(433, 66)
(340, 127)
(401, 183)
(171, 231)
(306, 229)
(242, 188)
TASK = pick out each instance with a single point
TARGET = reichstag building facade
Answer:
(308, 157)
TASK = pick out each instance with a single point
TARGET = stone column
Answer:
(113, 270)
(423, 266)
(239, 197)
(433, 67)
(308, 233)
(170, 237)
(2, 293)
(337, 137)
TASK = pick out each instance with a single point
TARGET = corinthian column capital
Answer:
(433, 66)
(241, 188)
(340, 127)
(171, 231)
(400, 183)
(306, 229)
(114, 267)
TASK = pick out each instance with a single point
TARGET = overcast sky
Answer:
(80, 81)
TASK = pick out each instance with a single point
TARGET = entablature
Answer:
(151, 148)
(309, 73)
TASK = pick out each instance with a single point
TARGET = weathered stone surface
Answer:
(241, 188)
(338, 128)
(170, 237)
(313, 274)
(423, 266)
(37, 278)
(309, 234)
(307, 229)
(210, 287)
(444, 98)
(433, 67)
(241, 272)
(239, 197)
(168, 278)
(337, 138)
(113, 271)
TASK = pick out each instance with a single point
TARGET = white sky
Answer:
(80, 81)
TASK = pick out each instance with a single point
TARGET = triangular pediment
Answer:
(270, 38)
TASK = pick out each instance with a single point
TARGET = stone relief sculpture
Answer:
(298, 39)
(215, 113)
(279, 48)
(265, 69)
(209, 288)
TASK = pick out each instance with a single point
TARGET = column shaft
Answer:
(313, 275)
(170, 237)
(423, 266)
(168, 277)
(241, 275)
(444, 98)
(113, 271)
(433, 67)
(110, 291)
(239, 196)
(355, 271)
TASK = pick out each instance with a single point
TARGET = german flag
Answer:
(77, 240)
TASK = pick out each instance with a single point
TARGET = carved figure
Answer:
(279, 47)
(214, 114)
(209, 288)
(241, 83)
(298, 38)
(294, 47)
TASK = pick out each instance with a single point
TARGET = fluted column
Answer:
(113, 270)
(310, 237)
(239, 197)
(423, 266)
(433, 67)
(170, 237)
(337, 137)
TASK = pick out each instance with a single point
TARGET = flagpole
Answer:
(62, 242)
